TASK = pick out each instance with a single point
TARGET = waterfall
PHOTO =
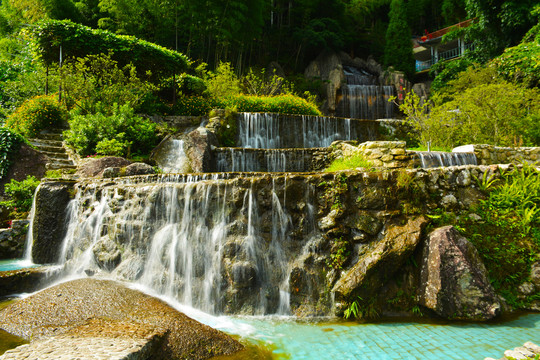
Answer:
(275, 131)
(173, 158)
(363, 97)
(262, 160)
(218, 245)
(30, 234)
(437, 159)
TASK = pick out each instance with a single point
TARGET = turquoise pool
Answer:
(388, 340)
(6, 265)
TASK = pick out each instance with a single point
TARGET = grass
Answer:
(433, 148)
(350, 162)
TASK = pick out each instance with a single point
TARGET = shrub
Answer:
(96, 83)
(284, 104)
(87, 131)
(497, 113)
(444, 71)
(79, 41)
(520, 63)
(36, 114)
(9, 144)
(20, 194)
(224, 82)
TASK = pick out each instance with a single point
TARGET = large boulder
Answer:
(95, 167)
(48, 226)
(170, 156)
(454, 283)
(101, 309)
(328, 68)
(198, 147)
(380, 261)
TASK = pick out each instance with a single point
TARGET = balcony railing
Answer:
(442, 56)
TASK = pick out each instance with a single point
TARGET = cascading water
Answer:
(173, 158)
(221, 246)
(273, 131)
(437, 159)
(268, 160)
(363, 97)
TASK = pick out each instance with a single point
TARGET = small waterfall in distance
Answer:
(433, 159)
(363, 97)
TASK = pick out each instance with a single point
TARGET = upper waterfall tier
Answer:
(276, 131)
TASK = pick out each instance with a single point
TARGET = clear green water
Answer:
(388, 340)
(284, 338)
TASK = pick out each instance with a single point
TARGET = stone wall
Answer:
(13, 239)
(489, 154)
(382, 154)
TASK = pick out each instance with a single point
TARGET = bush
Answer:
(224, 82)
(79, 41)
(20, 194)
(36, 114)
(96, 83)
(112, 132)
(445, 71)
(520, 63)
(9, 144)
(498, 114)
(283, 104)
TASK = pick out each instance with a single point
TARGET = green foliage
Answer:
(444, 71)
(113, 147)
(79, 41)
(262, 84)
(398, 49)
(499, 24)
(20, 194)
(223, 82)
(349, 162)
(521, 63)
(499, 114)
(339, 254)
(361, 309)
(95, 83)
(9, 144)
(36, 114)
(191, 85)
(284, 104)
(507, 236)
(87, 131)
(476, 108)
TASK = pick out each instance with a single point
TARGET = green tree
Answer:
(499, 24)
(398, 49)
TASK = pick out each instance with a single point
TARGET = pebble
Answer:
(528, 351)
(83, 348)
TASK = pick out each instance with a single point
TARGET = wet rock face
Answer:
(12, 240)
(454, 281)
(381, 261)
(99, 308)
(49, 220)
(198, 145)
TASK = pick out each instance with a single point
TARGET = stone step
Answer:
(56, 166)
(50, 149)
(45, 142)
(51, 136)
(56, 155)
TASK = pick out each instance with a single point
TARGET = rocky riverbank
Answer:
(104, 319)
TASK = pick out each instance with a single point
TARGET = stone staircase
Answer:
(50, 144)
